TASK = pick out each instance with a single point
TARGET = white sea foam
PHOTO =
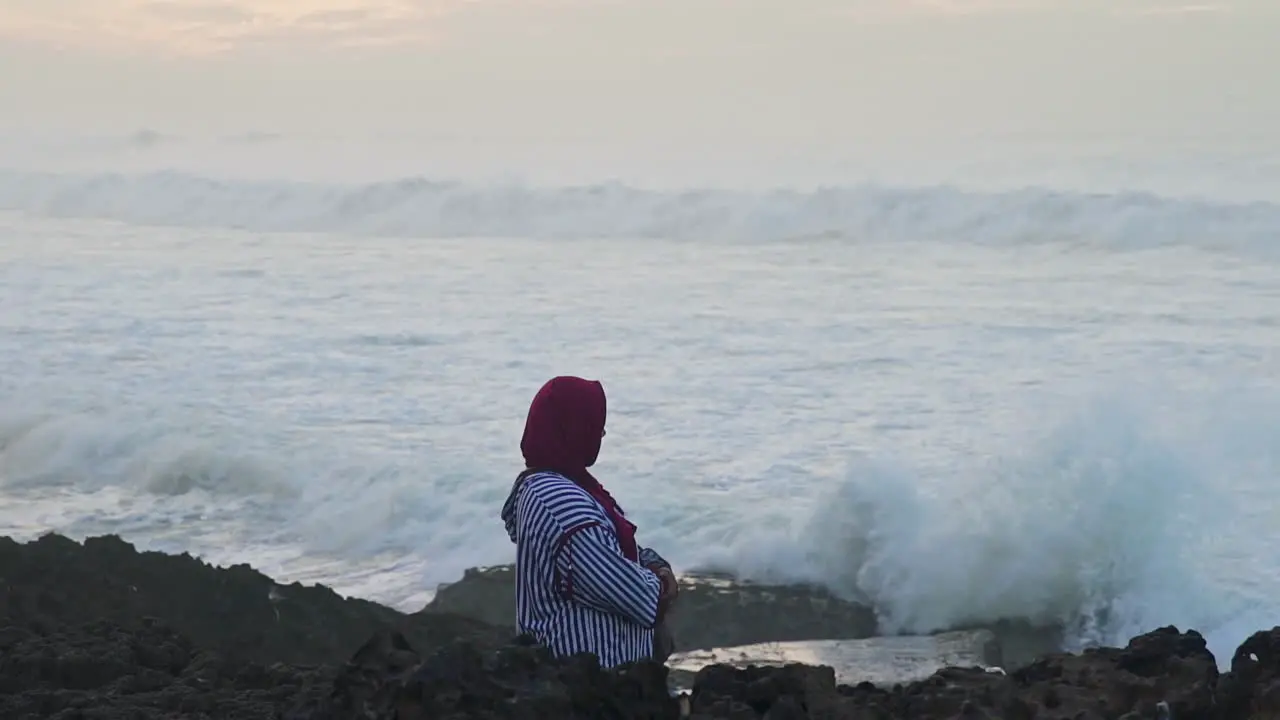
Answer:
(1131, 514)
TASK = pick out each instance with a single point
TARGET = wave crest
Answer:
(423, 208)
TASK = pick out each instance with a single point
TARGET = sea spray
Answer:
(1103, 525)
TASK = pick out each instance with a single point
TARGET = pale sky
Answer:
(806, 73)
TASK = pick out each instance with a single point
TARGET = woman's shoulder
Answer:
(532, 476)
(560, 496)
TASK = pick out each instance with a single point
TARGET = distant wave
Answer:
(426, 208)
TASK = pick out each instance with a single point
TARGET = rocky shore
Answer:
(99, 630)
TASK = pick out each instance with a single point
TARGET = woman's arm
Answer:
(670, 586)
(596, 574)
(589, 563)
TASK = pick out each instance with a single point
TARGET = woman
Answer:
(582, 582)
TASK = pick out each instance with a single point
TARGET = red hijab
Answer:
(563, 434)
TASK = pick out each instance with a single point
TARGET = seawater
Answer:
(956, 406)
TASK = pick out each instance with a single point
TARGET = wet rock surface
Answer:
(98, 630)
(886, 660)
(713, 611)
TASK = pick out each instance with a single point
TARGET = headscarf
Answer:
(563, 432)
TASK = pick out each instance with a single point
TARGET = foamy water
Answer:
(956, 406)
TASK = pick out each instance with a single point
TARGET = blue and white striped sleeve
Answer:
(590, 563)
(604, 579)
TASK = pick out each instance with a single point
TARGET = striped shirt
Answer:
(575, 590)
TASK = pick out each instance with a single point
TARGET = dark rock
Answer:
(1164, 665)
(54, 581)
(1162, 671)
(104, 670)
(385, 680)
(778, 690)
(98, 630)
(1252, 687)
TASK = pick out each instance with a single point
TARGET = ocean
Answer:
(957, 405)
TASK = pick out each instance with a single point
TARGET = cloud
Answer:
(901, 10)
(1174, 10)
(210, 27)
(204, 27)
(198, 12)
(897, 10)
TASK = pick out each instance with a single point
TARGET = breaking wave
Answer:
(1114, 523)
(425, 208)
